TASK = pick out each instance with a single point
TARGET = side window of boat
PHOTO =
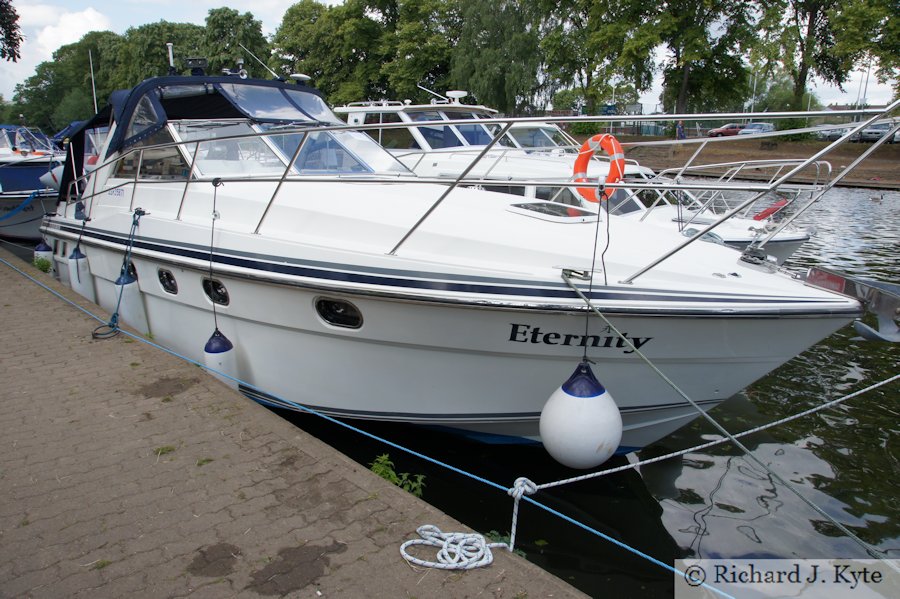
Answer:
(155, 163)
(391, 139)
(436, 136)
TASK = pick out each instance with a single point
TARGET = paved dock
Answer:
(127, 472)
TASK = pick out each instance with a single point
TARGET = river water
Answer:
(712, 503)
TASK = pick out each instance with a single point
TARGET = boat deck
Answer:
(127, 471)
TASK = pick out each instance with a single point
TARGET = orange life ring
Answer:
(610, 145)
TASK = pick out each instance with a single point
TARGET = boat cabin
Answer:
(175, 128)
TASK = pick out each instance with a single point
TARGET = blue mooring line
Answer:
(25, 203)
(546, 508)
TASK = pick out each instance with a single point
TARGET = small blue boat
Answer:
(26, 154)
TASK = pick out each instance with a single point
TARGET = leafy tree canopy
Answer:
(226, 31)
(869, 29)
(496, 58)
(10, 33)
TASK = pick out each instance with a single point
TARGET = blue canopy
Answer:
(143, 110)
(66, 132)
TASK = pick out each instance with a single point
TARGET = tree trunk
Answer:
(806, 46)
(681, 102)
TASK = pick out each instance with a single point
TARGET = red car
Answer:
(729, 129)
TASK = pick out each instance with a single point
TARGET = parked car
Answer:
(830, 134)
(757, 128)
(875, 131)
(729, 129)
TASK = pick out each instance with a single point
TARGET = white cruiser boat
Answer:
(346, 283)
(443, 138)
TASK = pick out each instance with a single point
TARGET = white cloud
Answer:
(36, 15)
(70, 28)
(45, 29)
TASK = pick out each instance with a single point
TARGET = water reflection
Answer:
(845, 459)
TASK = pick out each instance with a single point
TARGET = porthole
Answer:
(339, 313)
(216, 291)
(168, 282)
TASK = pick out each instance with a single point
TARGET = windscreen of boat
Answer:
(539, 137)
(223, 152)
(263, 103)
(437, 136)
(477, 134)
(624, 201)
(334, 152)
(30, 140)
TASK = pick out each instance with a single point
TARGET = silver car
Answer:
(875, 131)
(757, 128)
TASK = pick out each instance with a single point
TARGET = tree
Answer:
(10, 33)
(61, 90)
(143, 52)
(226, 31)
(866, 29)
(427, 31)
(341, 47)
(295, 41)
(799, 36)
(704, 41)
(597, 47)
(497, 58)
(778, 96)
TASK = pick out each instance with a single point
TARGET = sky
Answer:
(47, 25)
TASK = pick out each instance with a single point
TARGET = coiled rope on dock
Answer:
(457, 550)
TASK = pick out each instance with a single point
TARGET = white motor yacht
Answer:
(346, 283)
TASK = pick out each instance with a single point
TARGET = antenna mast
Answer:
(254, 57)
(172, 70)
(445, 99)
(93, 84)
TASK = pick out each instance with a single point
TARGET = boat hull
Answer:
(20, 218)
(475, 367)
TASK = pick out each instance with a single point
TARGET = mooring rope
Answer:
(22, 206)
(457, 550)
(708, 444)
(111, 328)
(522, 487)
(871, 550)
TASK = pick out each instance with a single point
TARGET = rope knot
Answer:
(521, 487)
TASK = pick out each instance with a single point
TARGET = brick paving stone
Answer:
(244, 504)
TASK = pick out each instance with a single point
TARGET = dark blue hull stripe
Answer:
(507, 417)
(457, 284)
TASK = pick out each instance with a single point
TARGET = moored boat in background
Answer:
(448, 138)
(26, 154)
